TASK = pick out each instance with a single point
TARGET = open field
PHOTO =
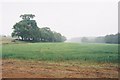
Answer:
(5, 40)
(62, 52)
(60, 60)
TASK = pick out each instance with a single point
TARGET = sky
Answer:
(71, 18)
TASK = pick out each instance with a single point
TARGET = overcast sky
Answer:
(70, 18)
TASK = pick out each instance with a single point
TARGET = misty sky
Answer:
(70, 18)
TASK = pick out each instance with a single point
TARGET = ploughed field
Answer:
(60, 60)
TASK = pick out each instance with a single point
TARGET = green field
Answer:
(61, 52)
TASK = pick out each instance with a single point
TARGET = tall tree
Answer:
(27, 16)
(27, 30)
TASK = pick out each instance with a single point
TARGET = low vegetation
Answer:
(62, 60)
(62, 52)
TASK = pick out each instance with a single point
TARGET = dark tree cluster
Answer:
(112, 39)
(27, 30)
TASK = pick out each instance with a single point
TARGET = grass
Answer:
(62, 52)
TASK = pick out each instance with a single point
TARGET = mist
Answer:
(72, 19)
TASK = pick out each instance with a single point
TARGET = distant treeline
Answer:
(112, 38)
(27, 30)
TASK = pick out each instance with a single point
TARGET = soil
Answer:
(12, 68)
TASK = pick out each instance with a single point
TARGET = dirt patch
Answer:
(42, 69)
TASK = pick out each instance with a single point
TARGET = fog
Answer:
(70, 18)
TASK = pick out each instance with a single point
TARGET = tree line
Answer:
(27, 30)
(112, 39)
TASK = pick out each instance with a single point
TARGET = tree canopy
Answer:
(111, 39)
(27, 16)
(27, 30)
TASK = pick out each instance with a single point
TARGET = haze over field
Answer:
(33, 34)
(70, 18)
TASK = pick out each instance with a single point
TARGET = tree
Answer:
(27, 30)
(84, 39)
(100, 40)
(27, 16)
(113, 38)
(45, 34)
(63, 39)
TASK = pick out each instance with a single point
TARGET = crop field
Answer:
(74, 60)
(62, 52)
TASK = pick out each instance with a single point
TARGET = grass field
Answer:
(62, 52)
(61, 60)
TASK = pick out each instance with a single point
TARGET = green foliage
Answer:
(62, 52)
(112, 38)
(27, 16)
(27, 30)
(100, 40)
